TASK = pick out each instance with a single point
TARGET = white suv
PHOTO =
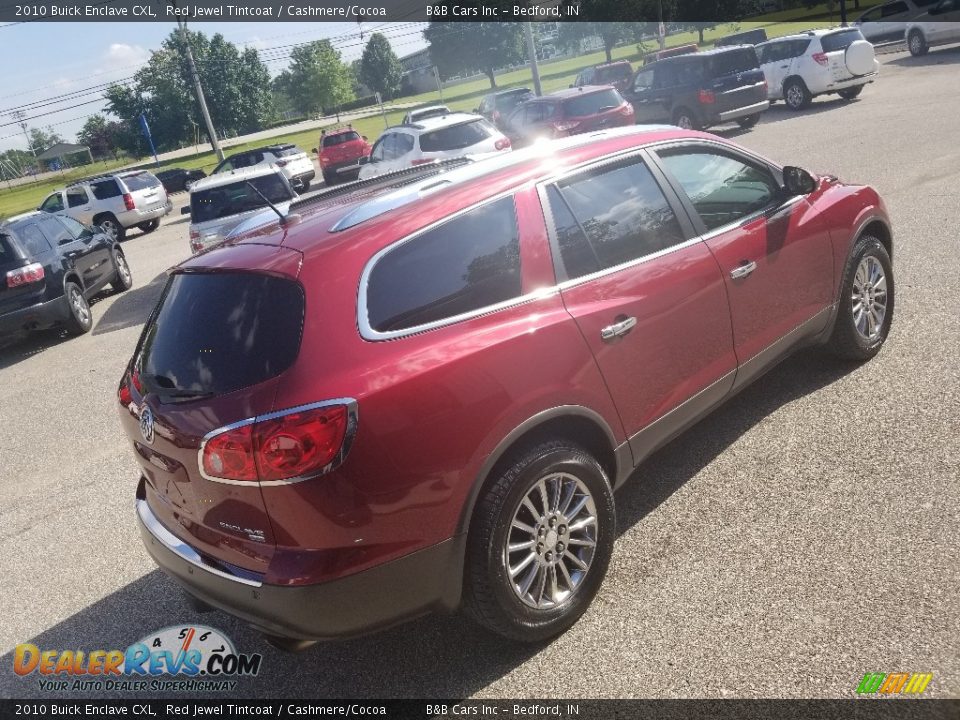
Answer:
(818, 62)
(938, 26)
(437, 138)
(295, 165)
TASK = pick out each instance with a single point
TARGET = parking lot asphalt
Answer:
(804, 534)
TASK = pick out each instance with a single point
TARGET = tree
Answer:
(318, 79)
(42, 140)
(104, 137)
(457, 48)
(380, 70)
(693, 14)
(611, 34)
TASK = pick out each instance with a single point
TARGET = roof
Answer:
(615, 63)
(511, 91)
(21, 216)
(61, 149)
(339, 131)
(437, 123)
(232, 176)
(573, 92)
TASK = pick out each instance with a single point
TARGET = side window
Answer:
(34, 241)
(53, 204)
(376, 155)
(643, 81)
(797, 48)
(576, 253)
(872, 16)
(665, 76)
(622, 212)
(722, 189)
(466, 264)
(403, 143)
(893, 9)
(78, 230)
(105, 189)
(55, 232)
(77, 197)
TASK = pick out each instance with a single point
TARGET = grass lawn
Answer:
(553, 76)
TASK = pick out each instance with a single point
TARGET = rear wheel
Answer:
(304, 186)
(685, 119)
(80, 319)
(866, 303)
(917, 44)
(540, 542)
(795, 94)
(851, 93)
(123, 279)
(149, 226)
(749, 121)
(111, 226)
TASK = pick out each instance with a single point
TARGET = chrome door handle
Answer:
(743, 270)
(611, 332)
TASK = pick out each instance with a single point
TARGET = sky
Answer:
(45, 60)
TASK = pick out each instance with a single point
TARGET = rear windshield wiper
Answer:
(164, 386)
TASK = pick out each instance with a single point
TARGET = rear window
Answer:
(592, 103)
(840, 40)
(140, 181)
(734, 61)
(287, 152)
(340, 138)
(456, 137)
(105, 189)
(219, 332)
(617, 72)
(236, 198)
(508, 102)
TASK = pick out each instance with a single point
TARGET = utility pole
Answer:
(20, 117)
(199, 89)
(661, 30)
(532, 52)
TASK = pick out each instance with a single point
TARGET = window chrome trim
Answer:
(566, 284)
(179, 548)
(367, 332)
(348, 437)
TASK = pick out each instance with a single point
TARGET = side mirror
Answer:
(798, 181)
(313, 150)
(185, 210)
(65, 241)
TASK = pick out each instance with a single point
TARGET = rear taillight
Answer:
(706, 97)
(299, 443)
(820, 58)
(25, 275)
(124, 394)
(502, 144)
(128, 201)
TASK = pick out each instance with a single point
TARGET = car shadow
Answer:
(131, 307)
(404, 661)
(779, 112)
(936, 56)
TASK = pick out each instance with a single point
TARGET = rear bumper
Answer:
(744, 111)
(426, 580)
(304, 177)
(851, 82)
(342, 168)
(41, 315)
(132, 218)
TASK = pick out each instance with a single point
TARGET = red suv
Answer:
(569, 112)
(340, 154)
(424, 392)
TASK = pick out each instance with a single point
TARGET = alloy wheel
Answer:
(551, 542)
(110, 228)
(794, 96)
(81, 309)
(869, 298)
(124, 270)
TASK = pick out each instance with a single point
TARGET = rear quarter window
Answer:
(219, 332)
(840, 40)
(7, 253)
(456, 137)
(105, 189)
(33, 241)
(467, 264)
(235, 198)
(140, 181)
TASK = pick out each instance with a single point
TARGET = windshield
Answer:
(734, 61)
(238, 197)
(456, 137)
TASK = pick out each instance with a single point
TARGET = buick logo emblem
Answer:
(146, 424)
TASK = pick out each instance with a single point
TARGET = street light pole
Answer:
(198, 88)
(532, 52)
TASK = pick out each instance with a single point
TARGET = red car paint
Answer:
(436, 407)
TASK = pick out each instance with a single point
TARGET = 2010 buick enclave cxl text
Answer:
(423, 393)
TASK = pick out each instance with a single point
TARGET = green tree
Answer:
(380, 70)
(42, 140)
(457, 48)
(318, 79)
(611, 34)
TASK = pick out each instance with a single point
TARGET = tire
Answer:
(327, 179)
(149, 226)
(851, 93)
(868, 274)
(542, 609)
(111, 226)
(917, 44)
(795, 94)
(80, 317)
(749, 121)
(305, 186)
(123, 278)
(685, 119)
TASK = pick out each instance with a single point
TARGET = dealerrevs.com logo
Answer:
(192, 657)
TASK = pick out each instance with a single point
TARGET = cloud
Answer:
(126, 56)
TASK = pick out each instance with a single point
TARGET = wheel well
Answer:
(100, 216)
(882, 233)
(787, 80)
(72, 277)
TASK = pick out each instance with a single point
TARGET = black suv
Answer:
(51, 265)
(495, 107)
(702, 89)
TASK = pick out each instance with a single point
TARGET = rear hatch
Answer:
(735, 78)
(215, 211)
(342, 147)
(848, 54)
(476, 135)
(146, 190)
(212, 355)
(21, 295)
(595, 111)
(293, 160)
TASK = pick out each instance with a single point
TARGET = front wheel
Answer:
(866, 303)
(112, 227)
(305, 186)
(540, 543)
(917, 44)
(749, 121)
(851, 93)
